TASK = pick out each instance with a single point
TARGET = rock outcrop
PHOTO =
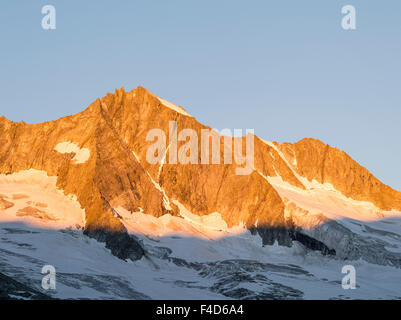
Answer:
(13, 290)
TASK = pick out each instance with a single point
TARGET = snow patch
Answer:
(271, 144)
(212, 221)
(324, 198)
(81, 154)
(166, 201)
(41, 196)
(210, 227)
(174, 107)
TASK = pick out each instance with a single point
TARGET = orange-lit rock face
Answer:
(4, 204)
(320, 162)
(99, 155)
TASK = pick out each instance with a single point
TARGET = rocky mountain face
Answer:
(13, 290)
(100, 156)
(325, 164)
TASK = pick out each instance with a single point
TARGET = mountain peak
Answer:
(100, 157)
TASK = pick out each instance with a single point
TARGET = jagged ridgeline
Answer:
(99, 156)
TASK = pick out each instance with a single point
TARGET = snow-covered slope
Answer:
(354, 229)
(177, 267)
(32, 197)
(193, 257)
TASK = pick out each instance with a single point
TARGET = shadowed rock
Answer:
(13, 290)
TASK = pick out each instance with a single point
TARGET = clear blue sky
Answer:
(285, 68)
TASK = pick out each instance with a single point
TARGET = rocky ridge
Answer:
(113, 130)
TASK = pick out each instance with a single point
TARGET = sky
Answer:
(286, 69)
